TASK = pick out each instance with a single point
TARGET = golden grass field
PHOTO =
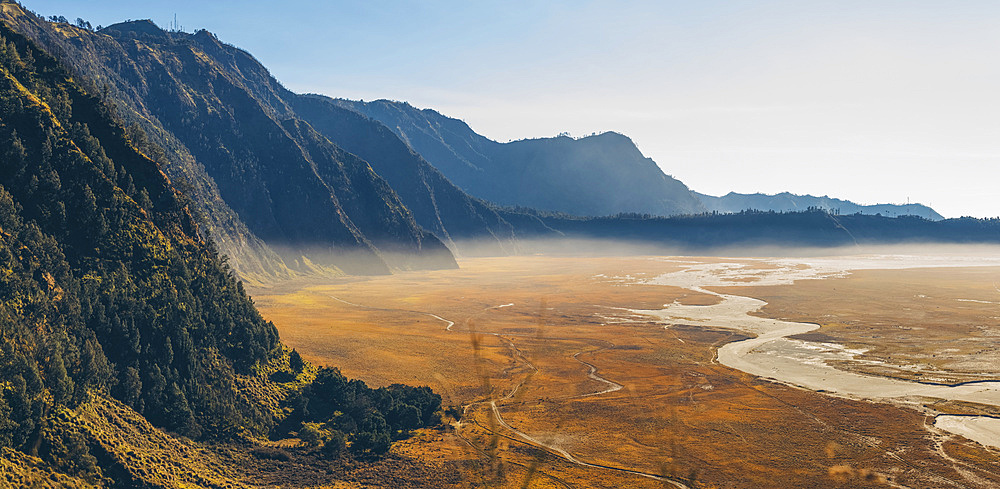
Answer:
(527, 329)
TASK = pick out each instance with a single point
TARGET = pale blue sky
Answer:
(874, 101)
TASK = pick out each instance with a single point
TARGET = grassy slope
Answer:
(183, 314)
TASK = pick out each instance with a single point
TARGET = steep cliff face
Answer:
(598, 175)
(437, 204)
(107, 286)
(447, 143)
(593, 176)
(273, 193)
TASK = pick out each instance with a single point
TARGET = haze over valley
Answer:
(209, 278)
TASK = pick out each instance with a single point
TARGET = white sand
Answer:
(771, 355)
(982, 429)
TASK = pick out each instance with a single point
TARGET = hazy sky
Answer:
(873, 101)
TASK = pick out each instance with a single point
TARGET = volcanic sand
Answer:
(566, 333)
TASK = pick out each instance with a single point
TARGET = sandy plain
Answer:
(563, 384)
(774, 354)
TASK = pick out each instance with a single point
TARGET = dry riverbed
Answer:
(771, 354)
(564, 385)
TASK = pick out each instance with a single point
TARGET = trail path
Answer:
(612, 385)
(519, 356)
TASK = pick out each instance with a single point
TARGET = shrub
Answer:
(334, 445)
(271, 453)
(311, 434)
(295, 361)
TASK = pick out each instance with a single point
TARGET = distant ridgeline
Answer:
(593, 176)
(788, 202)
(598, 175)
(705, 233)
(113, 304)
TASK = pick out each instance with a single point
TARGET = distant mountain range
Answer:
(788, 202)
(437, 204)
(598, 175)
(287, 183)
(746, 230)
(593, 176)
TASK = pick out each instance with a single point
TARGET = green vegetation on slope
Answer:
(333, 409)
(114, 311)
(106, 283)
(249, 256)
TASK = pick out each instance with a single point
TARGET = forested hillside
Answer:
(789, 202)
(116, 313)
(743, 231)
(107, 285)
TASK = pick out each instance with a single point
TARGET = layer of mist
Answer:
(569, 246)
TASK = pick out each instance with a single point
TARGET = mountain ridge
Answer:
(228, 145)
(597, 175)
(437, 204)
(464, 156)
(787, 201)
(126, 342)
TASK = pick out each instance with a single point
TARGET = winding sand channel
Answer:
(771, 354)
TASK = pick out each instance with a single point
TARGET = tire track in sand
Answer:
(495, 410)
